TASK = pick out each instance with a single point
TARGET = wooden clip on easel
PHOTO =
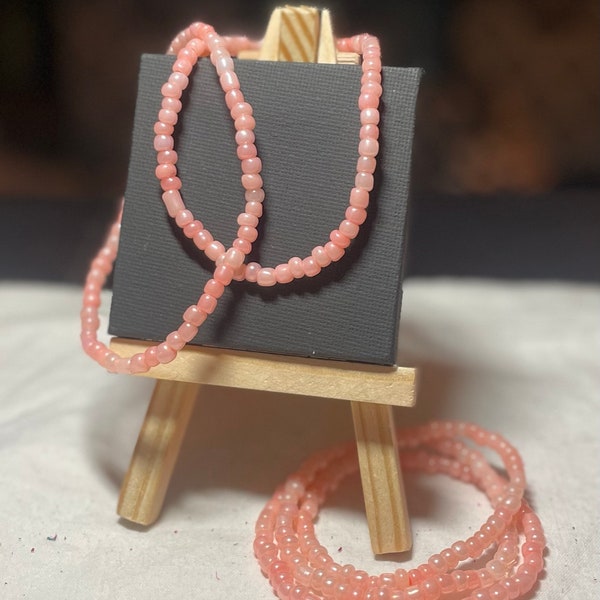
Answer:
(300, 34)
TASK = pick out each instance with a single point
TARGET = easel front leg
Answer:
(145, 485)
(383, 488)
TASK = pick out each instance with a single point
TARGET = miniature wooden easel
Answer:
(300, 34)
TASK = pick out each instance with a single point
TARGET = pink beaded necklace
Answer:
(197, 41)
(300, 568)
(297, 565)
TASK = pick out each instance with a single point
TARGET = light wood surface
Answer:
(300, 34)
(383, 487)
(145, 485)
(284, 374)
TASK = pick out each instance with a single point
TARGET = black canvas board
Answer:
(307, 125)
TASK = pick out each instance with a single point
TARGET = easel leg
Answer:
(145, 485)
(383, 488)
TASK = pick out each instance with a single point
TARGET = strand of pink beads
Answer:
(300, 568)
(200, 40)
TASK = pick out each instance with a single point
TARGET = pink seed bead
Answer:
(247, 219)
(223, 64)
(450, 557)
(175, 341)
(366, 164)
(372, 87)
(364, 181)
(254, 208)
(90, 323)
(370, 76)
(163, 128)
(240, 273)
(244, 136)
(214, 288)
(170, 183)
(372, 64)
(122, 365)
(165, 170)
(242, 245)
(359, 198)
(252, 165)
(150, 355)
(234, 258)
(257, 195)
(334, 252)
(339, 239)
(229, 81)
(191, 229)
(438, 563)
(172, 104)
(245, 151)
(163, 142)
(283, 273)
(245, 232)
(92, 299)
(233, 97)
(173, 202)
(179, 80)
(369, 116)
(266, 277)
(474, 547)
(202, 239)
(187, 54)
(194, 315)
(368, 147)
(461, 550)
(252, 270)
(244, 122)
(138, 363)
(181, 65)
(368, 131)
(213, 41)
(167, 116)
(321, 257)
(166, 156)
(223, 274)
(368, 100)
(349, 229)
(187, 332)
(296, 267)
(356, 215)
(251, 181)
(239, 109)
(165, 354)
(214, 250)
(310, 266)
(184, 217)
(170, 90)
(207, 303)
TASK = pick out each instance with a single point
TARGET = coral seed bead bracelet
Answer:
(510, 544)
(201, 40)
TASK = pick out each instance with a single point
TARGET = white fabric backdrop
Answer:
(520, 358)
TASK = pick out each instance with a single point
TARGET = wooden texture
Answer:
(300, 34)
(383, 488)
(145, 485)
(290, 375)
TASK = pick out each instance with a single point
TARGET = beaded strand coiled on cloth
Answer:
(200, 40)
(300, 568)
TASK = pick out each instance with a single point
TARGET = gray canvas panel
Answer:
(307, 136)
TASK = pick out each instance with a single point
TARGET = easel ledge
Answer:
(393, 386)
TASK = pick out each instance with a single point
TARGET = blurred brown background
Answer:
(506, 170)
(511, 98)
